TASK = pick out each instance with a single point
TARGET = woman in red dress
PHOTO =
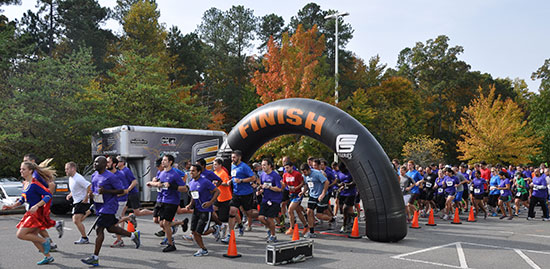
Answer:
(37, 196)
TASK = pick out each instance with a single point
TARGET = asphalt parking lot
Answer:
(490, 243)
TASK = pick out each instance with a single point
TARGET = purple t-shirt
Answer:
(120, 176)
(210, 175)
(274, 180)
(440, 181)
(170, 195)
(450, 183)
(331, 176)
(479, 185)
(200, 192)
(503, 183)
(540, 181)
(129, 178)
(527, 173)
(346, 178)
(108, 181)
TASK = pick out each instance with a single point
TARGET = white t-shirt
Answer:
(78, 186)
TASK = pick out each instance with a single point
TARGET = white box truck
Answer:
(142, 145)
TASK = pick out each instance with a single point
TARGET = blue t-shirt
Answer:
(494, 182)
(170, 195)
(129, 178)
(200, 190)
(415, 175)
(108, 181)
(450, 183)
(540, 188)
(241, 171)
(527, 173)
(315, 182)
(34, 194)
(120, 176)
(210, 175)
(274, 180)
(346, 178)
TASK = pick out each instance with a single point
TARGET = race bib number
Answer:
(428, 184)
(440, 190)
(290, 179)
(450, 183)
(518, 194)
(501, 192)
(267, 184)
(477, 191)
(98, 198)
(471, 187)
(310, 184)
(233, 173)
(195, 194)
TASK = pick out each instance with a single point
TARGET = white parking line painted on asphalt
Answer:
(538, 235)
(462, 256)
(527, 259)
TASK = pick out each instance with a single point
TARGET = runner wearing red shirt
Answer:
(294, 181)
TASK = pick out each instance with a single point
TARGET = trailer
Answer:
(142, 145)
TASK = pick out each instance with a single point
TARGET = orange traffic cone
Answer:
(414, 224)
(431, 221)
(296, 233)
(131, 227)
(232, 248)
(471, 217)
(456, 220)
(355, 229)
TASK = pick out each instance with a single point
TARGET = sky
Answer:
(505, 38)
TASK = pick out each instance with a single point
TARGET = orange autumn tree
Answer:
(495, 131)
(294, 68)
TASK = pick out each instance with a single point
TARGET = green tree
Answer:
(495, 131)
(539, 106)
(271, 25)
(188, 53)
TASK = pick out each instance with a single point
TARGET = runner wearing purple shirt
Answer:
(171, 184)
(450, 183)
(104, 191)
(204, 194)
(122, 199)
(346, 196)
(478, 190)
(539, 196)
(272, 198)
(215, 179)
(505, 195)
(132, 190)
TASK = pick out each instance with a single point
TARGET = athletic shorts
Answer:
(358, 198)
(295, 198)
(414, 197)
(429, 195)
(133, 201)
(270, 211)
(120, 209)
(314, 203)
(479, 196)
(422, 195)
(223, 210)
(406, 198)
(156, 210)
(80, 208)
(106, 220)
(493, 198)
(286, 195)
(458, 196)
(246, 201)
(505, 199)
(522, 197)
(168, 211)
(347, 200)
(200, 222)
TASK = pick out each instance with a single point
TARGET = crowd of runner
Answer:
(226, 202)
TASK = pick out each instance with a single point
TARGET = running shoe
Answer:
(545, 219)
(82, 241)
(268, 234)
(46, 260)
(53, 246)
(272, 239)
(118, 244)
(226, 239)
(485, 216)
(136, 238)
(309, 235)
(169, 248)
(201, 252)
(185, 225)
(160, 233)
(187, 237)
(133, 220)
(174, 229)
(47, 245)
(91, 261)
(216, 232)
(248, 228)
(224, 230)
(282, 220)
(164, 242)
(503, 216)
(529, 218)
(494, 214)
(510, 218)
(241, 230)
(59, 227)
(289, 231)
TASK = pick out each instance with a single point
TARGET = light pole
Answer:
(335, 16)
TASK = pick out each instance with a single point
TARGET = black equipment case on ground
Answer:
(284, 252)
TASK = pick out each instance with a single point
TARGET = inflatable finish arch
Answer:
(357, 148)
